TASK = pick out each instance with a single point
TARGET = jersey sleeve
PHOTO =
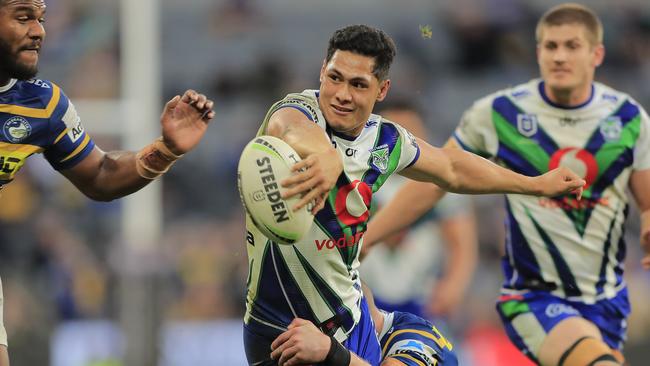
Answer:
(304, 102)
(475, 132)
(409, 149)
(70, 143)
(642, 147)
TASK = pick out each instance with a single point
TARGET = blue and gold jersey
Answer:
(414, 341)
(37, 117)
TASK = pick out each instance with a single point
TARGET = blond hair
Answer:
(572, 13)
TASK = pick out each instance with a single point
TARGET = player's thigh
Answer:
(564, 335)
(4, 356)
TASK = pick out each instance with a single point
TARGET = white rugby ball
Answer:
(263, 164)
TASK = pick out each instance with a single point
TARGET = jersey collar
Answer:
(8, 86)
(542, 92)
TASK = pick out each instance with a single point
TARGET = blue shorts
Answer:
(362, 340)
(414, 341)
(530, 316)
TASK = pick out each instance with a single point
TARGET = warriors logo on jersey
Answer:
(611, 128)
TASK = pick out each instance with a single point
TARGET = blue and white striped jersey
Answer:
(575, 249)
(317, 278)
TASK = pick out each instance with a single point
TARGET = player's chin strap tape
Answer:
(584, 350)
(337, 356)
(154, 159)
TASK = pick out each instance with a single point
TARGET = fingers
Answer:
(575, 184)
(280, 352)
(279, 341)
(319, 204)
(200, 102)
(298, 183)
(578, 192)
(172, 103)
(306, 182)
(303, 164)
(286, 355)
(302, 171)
(296, 322)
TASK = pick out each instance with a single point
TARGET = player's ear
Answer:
(384, 85)
(322, 71)
(599, 55)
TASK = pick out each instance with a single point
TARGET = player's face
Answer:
(21, 35)
(349, 90)
(567, 59)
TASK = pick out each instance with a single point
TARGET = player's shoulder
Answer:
(36, 98)
(305, 101)
(605, 94)
(307, 97)
(519, 92)
(34, 87)
(376, 121)
(383, 126)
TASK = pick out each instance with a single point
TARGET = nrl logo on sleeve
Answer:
(379, 158)
(527, 124)
(611, 128)
(16, 129)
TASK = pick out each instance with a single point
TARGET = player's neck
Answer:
(569, 97)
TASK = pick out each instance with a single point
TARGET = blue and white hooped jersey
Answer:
(36, 117)
(317, 278)
(574, 249)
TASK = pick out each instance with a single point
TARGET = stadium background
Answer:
(78, 291)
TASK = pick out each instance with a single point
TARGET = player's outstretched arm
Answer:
(303, 343)
(321, 163)
(105, 176)
(458, 171)
(410, 202)
(639, 183)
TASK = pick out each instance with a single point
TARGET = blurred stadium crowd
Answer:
(59, 252)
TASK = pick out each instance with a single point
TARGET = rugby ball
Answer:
(263, 164)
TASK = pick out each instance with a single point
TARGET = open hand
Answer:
(184, 121)
(313, 179)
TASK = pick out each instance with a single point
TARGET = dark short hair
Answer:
(571, 13)
(366, 41)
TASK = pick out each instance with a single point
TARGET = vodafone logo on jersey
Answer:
(352, 206)
(580, 161)
(352, 203)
